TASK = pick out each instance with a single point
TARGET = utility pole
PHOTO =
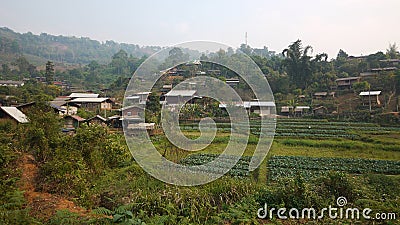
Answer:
(245, 38)
(369, 99)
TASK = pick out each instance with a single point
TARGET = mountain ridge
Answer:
(63, 49)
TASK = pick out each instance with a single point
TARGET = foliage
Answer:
(289, 166)
(49, 73)
(12, 210)
(67, 49)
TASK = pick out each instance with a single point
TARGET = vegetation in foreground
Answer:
(95, 170)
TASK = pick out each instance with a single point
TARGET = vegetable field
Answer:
(309, 167)
(310, 128)
(241, 169)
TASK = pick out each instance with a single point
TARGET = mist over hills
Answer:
(63, 49)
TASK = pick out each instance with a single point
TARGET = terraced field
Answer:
(310, 167)
(313, 147)
(308, 128)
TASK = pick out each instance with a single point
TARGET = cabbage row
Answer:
(308, 167)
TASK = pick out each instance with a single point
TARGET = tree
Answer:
(392, 52)
(298, 64)
(119, 63)
(246, 49)
(5, 69)
(342, 55)
(49, 72)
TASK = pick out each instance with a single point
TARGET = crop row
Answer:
(287, 166)
(240, 169)
(312, 135)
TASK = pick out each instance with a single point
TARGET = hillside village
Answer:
(97, 131)
(366, 93)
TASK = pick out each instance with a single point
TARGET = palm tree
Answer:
(298, 63)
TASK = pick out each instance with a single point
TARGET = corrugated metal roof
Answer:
(348, 78)
(98, 116)
(16, 114)
(89, 100)
(366, 93)
(143, 93)
(11, 82)
(247, 104)
(261, 104)
(181, 93)
(83, 95)
(321, 93)
(302, 107)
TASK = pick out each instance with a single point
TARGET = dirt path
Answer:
(42, 204)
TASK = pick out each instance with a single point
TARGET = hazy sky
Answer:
(357, 26)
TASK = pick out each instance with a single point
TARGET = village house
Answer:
(320, 110)
(97, 120)
(93, 104)
(137, 127)
(300, 110)
(26, 106)
(12, 83)
(347, 83)
(166, 88)
(138, 98)
(285, 110)
(263, 108)
(384, 69)
(133, 111)
(71, 122)
(321, 95)
(372, 96)
(179, 96)
(368, 74)
(62, 106)
(83, 95)
(12, 114)
(114, 121)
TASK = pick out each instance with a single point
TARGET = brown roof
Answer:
(77, 118)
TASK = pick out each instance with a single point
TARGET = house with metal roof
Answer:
(12, 113)
(97, 120)
(300, 110)
(62, 106)
(93, 104)
(263, 108)
(83, 95)
(324, 94)
(347, 82)
(179, 96)
(285, 110)
(372, 96)
(12, 83)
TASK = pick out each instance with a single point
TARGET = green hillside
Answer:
(61, 49)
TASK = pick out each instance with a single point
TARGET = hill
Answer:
(62, 49)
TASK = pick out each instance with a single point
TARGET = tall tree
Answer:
(298, 64)
(120, 63)
(49, 72)
(392, 52)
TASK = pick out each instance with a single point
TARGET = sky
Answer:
(359, 27)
